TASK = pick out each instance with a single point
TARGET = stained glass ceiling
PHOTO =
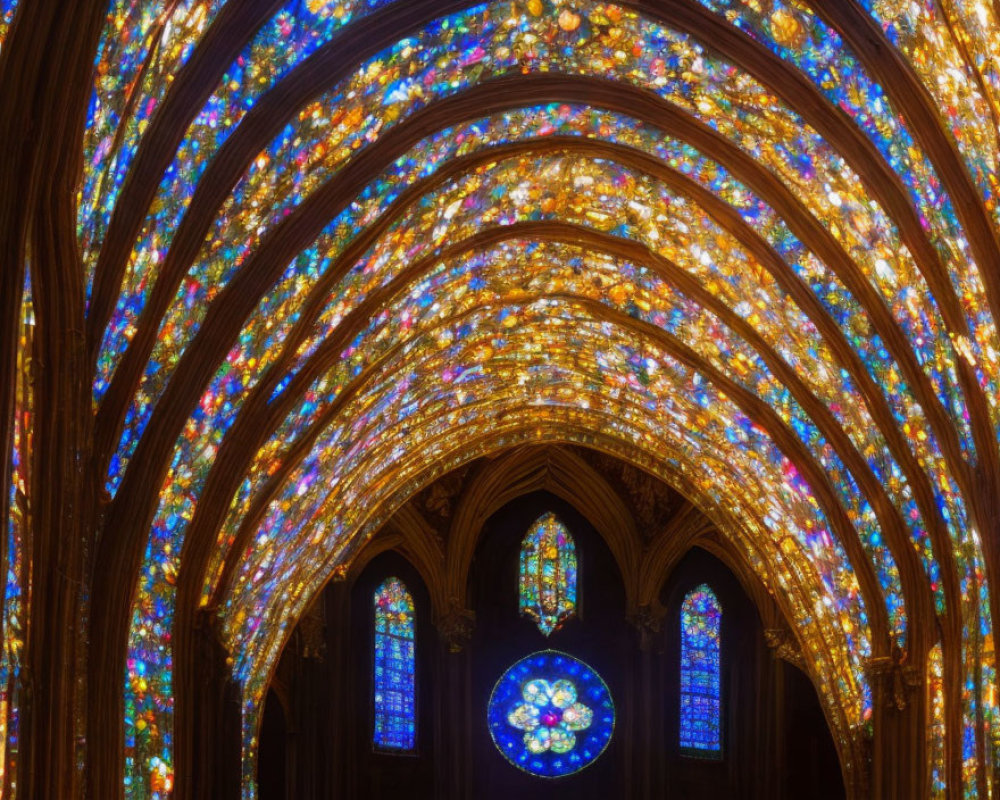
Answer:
(334, 249)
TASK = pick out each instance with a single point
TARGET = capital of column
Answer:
(648, 622)
(895, 676)
(455, 626)
(312, 627)
(784, 645)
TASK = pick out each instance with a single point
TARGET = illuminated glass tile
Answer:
(7, 10)
(936, 723)
(17, 532)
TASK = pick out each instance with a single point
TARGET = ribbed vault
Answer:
(281, 264)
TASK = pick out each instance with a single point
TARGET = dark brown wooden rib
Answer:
(884, 185)
(696, 133)
(197, 79)
(853, 750)
(327, 355)
(247, 428)
(185, 249)
(915, 104)
(908, 94)
(251, 430)
(45, 71)
(834, 125)
(34, 171)
(302, 447)
(260, 125)
(112, 439)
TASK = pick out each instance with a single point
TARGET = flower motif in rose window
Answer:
(550, 716)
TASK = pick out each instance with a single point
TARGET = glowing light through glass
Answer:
(551, 715)
(395, 688)
(547, 574)
(700, 674)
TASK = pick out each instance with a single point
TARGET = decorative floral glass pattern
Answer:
(395, 679)
(547, 576)
(701, 707)
(551, 715)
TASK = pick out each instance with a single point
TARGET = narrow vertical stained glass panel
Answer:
(547, 577)
(936, 756)
(395, 679)
(701, 622)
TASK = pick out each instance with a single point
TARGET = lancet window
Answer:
(395, 725)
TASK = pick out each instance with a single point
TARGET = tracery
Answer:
(547, 574)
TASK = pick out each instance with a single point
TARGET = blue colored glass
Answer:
(701, 706)
(395, 674)
(550, 714)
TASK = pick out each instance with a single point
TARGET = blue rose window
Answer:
(550, 714)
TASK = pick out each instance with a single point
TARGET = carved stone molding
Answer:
(651, 500)
(311, 628)
(455, 627)
(785, 646)
(898, 678)
(648, 621)
(437, 501)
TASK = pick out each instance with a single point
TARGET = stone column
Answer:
(310, 740)
(452, 703)
(899, 751)
(646, 732)
(785, 654)
(342, 762)
(218, 718)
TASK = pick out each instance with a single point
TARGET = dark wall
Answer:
(273, 751)
(747, 730)
(599, 637)
(776, 743)
(812, 769)
(771, 715)
(382, 775)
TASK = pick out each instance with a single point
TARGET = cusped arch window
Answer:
(700, 674)
(547, 574)
(395, 688)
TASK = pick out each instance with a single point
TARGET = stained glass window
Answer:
(395, 679)
(550, 714)
(547, 577)
(701, 622)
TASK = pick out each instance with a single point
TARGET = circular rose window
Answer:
(550, 714)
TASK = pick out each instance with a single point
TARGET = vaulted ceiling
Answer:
(303, 257)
